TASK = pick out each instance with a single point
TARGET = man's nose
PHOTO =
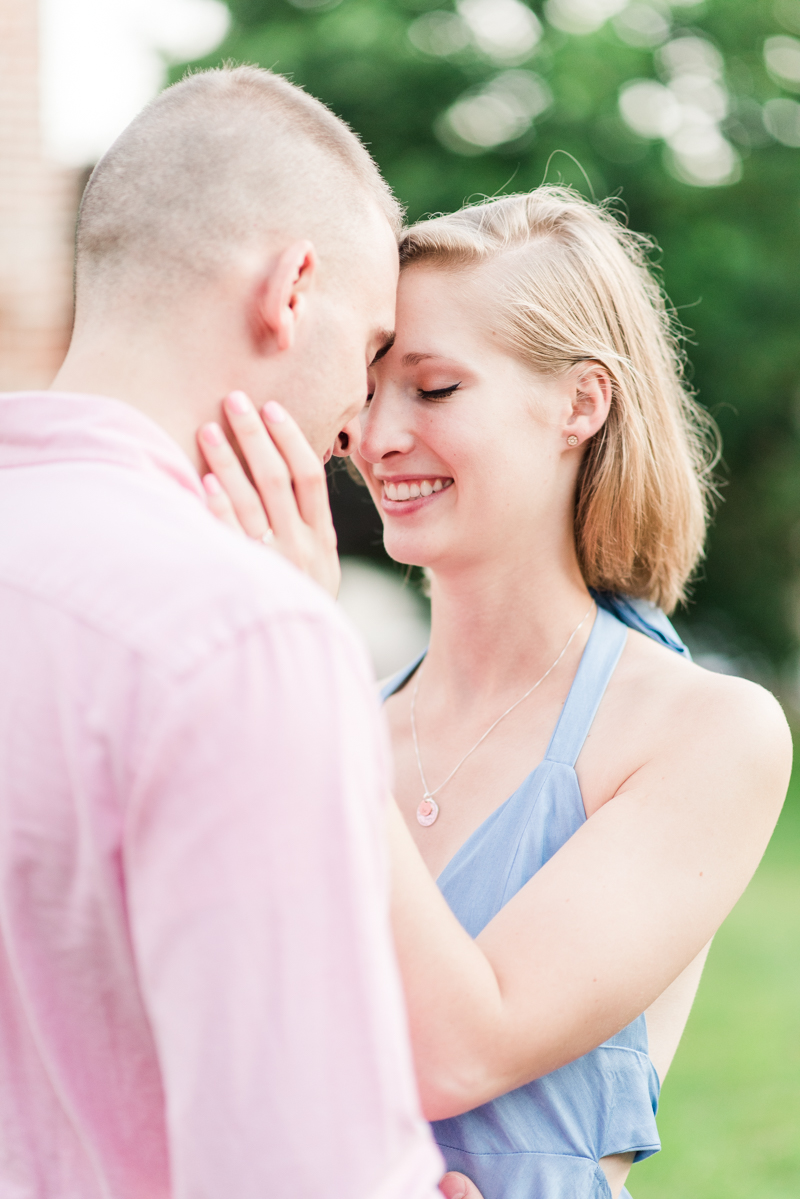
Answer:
(349, 439)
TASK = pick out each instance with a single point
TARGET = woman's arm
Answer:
(608, 923)
(667, 1016)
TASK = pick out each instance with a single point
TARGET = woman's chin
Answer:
(406, 558)
(407, 550)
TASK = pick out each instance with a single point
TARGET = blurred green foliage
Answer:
(456, 100)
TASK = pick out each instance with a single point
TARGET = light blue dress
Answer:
(544, 1140)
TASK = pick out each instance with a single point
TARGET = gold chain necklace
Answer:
(428, 809)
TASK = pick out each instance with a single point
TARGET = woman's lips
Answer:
(407, 495)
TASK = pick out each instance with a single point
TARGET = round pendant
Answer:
(427, 811)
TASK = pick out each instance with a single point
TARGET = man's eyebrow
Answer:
(388, 342)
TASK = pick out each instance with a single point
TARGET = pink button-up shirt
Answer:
(198, 997)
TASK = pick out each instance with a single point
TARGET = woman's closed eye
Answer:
(438, 393)
(435, 393)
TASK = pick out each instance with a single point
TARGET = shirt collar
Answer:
(38, 427)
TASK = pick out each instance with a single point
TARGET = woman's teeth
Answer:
(412, 491)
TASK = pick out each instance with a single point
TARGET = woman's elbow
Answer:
(449, 1090)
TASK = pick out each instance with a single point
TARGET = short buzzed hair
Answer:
(224, 160)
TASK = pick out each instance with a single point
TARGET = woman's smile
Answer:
(404, 494)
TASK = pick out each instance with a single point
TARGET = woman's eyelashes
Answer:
(438, 393)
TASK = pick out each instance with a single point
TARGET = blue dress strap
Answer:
(400, 679)
(606, 643)
(644, 617)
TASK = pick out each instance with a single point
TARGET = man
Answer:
(197, 990)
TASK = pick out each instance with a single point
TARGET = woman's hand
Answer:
(288, 507)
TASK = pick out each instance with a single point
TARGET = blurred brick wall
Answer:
(38, 201)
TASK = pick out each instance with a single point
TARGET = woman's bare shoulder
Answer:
(666, 718)
(729, 713)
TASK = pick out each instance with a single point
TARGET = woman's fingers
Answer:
(305, 468)
(271, 473)
(290, 496)
(219, 503)
(288, 474)
(227, 469)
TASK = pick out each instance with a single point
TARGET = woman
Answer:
(529, 442)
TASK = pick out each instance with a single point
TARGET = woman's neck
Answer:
(496, 627)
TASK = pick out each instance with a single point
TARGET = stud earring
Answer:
(572, 439)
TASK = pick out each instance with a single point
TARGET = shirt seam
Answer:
(164, 471)
(644, 1058)
(264, 620)
(581, 1157)
(526, 822)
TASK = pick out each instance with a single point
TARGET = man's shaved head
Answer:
(223, 162)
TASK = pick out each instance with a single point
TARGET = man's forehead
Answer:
(379, 242)
(375, 277)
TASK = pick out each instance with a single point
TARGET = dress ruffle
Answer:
(547, 1137)
(531, 1175)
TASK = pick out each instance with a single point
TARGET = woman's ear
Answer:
(592, 391)
(280, 299)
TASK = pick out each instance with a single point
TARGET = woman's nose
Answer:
(383, 429)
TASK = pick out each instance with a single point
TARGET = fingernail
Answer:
(238, 401)
(273, 412)
(212, 434)
(211, 484)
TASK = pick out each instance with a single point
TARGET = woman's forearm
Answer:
(472, 1004)
(455, 1008)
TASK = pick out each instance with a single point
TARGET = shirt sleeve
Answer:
(257, 882)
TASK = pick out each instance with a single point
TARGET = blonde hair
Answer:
(575, 286)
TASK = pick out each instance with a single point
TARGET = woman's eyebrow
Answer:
(451, 363)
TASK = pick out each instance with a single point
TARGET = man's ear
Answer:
(280, 300)
(592, 393)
